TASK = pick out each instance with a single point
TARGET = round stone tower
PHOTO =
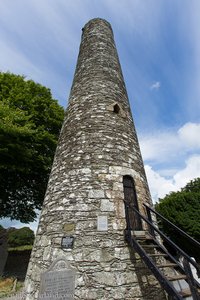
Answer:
(96, 161)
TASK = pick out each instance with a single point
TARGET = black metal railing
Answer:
(187, 260)
(155, 232)
(177, 229)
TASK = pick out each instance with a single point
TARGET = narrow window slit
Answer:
(116, 108)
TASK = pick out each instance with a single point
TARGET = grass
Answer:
(21, 248)
(6, 286)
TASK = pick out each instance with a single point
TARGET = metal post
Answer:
(151, 229)
(190, 279)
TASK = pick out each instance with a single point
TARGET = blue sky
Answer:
(158, 42)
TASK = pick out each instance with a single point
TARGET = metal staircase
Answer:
(174, 275)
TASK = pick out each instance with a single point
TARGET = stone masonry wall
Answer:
(97, 147)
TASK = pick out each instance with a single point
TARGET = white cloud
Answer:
(192, 170)
(169, 150)
(158, 146)
(189, 134)
(160, 185)
(163, 146)
(155, 86)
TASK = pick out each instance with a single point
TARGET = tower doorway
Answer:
(130, 199)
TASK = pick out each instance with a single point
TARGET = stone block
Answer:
(122, 253)
(46, 253)
(86, 225)
(86, 170)
(97, 194)
(118, 186)
(119, 208)
(44, 241)
(106, 205)
(119, 224)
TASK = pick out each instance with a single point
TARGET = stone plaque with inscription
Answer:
(67, 242)
(58, 282)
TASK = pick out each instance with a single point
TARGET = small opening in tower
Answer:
(116, 108)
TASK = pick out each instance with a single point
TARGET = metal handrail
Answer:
(191, 281)
(165, 283)
(155, 228)
(173, 226)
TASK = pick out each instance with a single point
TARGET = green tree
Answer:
(30, 121)
(20, 237)
(183, 209)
